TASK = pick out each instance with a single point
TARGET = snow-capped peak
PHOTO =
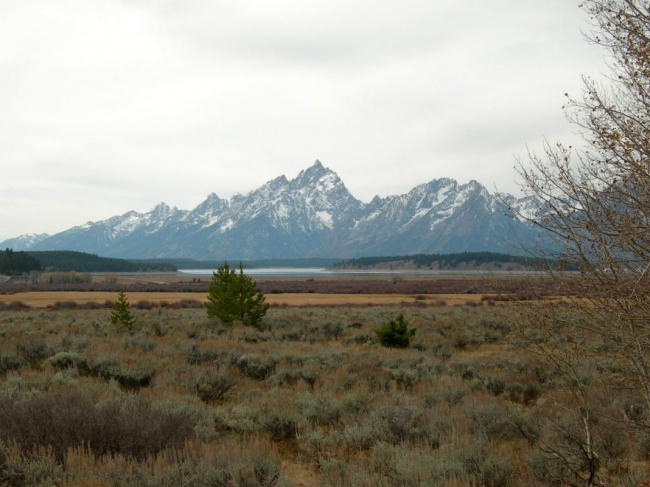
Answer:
(311, 215)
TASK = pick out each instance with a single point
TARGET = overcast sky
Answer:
(115, 105)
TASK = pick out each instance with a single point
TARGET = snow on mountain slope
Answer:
(313, 214)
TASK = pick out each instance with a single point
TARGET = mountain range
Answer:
(311, 215)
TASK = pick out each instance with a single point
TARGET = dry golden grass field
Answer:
(43, 299)
(169, 288)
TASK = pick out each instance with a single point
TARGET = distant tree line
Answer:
(445, 261)
(17, 263)
(182, 263)
(67, 260)
(69, 277)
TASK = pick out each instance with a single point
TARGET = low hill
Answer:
(17, 263)
(67, 260)
(461, 261)
(248, 264)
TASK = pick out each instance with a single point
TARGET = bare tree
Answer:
(594, 202)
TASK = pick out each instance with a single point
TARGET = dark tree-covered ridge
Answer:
(17, 263)
(67, 260)
(446, 261)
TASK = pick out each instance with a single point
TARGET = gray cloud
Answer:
(117, 105)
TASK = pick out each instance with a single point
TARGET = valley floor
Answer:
(62, 299)
(311, 399)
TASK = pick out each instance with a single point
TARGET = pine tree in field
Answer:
(122, 312)
(233, 297)
(222, 302)
(395, 333)
(252, 304)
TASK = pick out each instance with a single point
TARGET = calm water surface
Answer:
(322, 272)
(269, 271)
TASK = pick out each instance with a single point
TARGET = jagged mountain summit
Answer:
(23, 242)
(313, 215)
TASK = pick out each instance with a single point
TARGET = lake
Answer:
(322, 272)
(270, 272)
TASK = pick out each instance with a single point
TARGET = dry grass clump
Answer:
(308, 399)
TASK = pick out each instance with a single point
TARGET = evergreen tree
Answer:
(233, 297)
(222, 301)
(17, 263)
(253, 306)
(122, 312)
(395, 333)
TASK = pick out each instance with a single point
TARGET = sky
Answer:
(116, 105)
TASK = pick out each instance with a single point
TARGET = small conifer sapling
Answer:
(122, 312)
(395, 333)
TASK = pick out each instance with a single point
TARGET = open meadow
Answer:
(63, 299)
(308, 399)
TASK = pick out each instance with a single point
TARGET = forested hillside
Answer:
(17, 263)
(464, 260)
(248, 264)
(63, 261)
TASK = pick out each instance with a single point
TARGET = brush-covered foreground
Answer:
(311, 399)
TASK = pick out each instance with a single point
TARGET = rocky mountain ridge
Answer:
(313, 214)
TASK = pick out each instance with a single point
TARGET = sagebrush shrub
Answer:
(280, 425)
(210, 386)
(34, 349)
(107, 367)
(130, 427)
(10, 361)
(64, 360)
(256, 367)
